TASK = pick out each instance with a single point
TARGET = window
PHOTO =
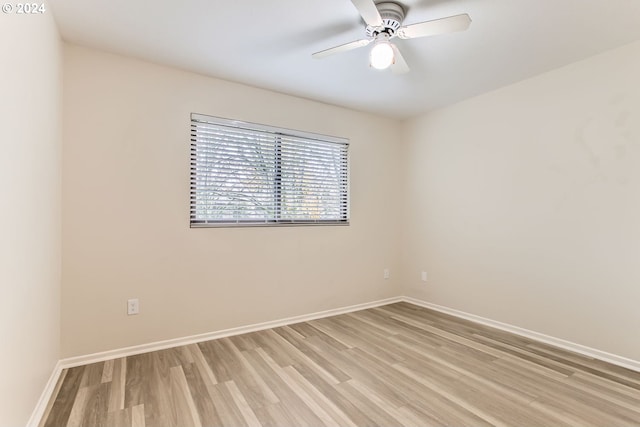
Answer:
(250, 174)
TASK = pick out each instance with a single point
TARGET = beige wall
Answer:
(30, 152)
(523, 205)
(126, 226)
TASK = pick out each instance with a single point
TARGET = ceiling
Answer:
(268, 44)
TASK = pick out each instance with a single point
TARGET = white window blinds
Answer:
(249, 174)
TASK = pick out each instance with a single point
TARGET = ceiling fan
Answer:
(384, 22)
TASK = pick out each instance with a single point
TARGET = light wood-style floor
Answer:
(397, 365)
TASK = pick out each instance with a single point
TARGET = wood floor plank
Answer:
(304, 329)
(78, 410)
(121, 418)
(379, 416)
(246, 342)
(96, 405)
(413, 416)
(335, 412)
(267, 367)
(434, 408)
(107, 372)
(118, 384)
(252, 385)
(380, 401)
(605, 394)
(137, 416)
(92, 374)
(65, 399)
(378, 377)
(299, 391)
(138, 370)
(487, 417)
(596, 382)
(186, 411)
(246, 411)
(54, 396)
(331, 394)
(274, 415)
(202, 365)
(363, 339)
(201, 391)
(221, 363)
(575, 397)
(330, 335)
(309, 357)
(566, 416)
(230, 414)
(398, 364)
(586, 365)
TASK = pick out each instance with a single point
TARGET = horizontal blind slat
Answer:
(256, 174)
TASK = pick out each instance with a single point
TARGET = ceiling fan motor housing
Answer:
(392, 15)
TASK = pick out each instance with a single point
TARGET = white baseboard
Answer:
(558, 342)
(161, 345)
(41, 407)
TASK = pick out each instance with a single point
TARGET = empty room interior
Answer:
(309, 213)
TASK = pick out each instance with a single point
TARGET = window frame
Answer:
(278, 134)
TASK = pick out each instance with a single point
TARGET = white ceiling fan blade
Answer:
(342, 48)
(399, 65)
(435, 27)
(369, 12)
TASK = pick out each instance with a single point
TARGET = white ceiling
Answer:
(268, 44)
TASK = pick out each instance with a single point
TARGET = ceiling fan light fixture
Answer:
(385, 21)
(382, 56)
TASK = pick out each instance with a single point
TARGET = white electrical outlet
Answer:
(133, 306)
(423, 276)
(386, 273)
